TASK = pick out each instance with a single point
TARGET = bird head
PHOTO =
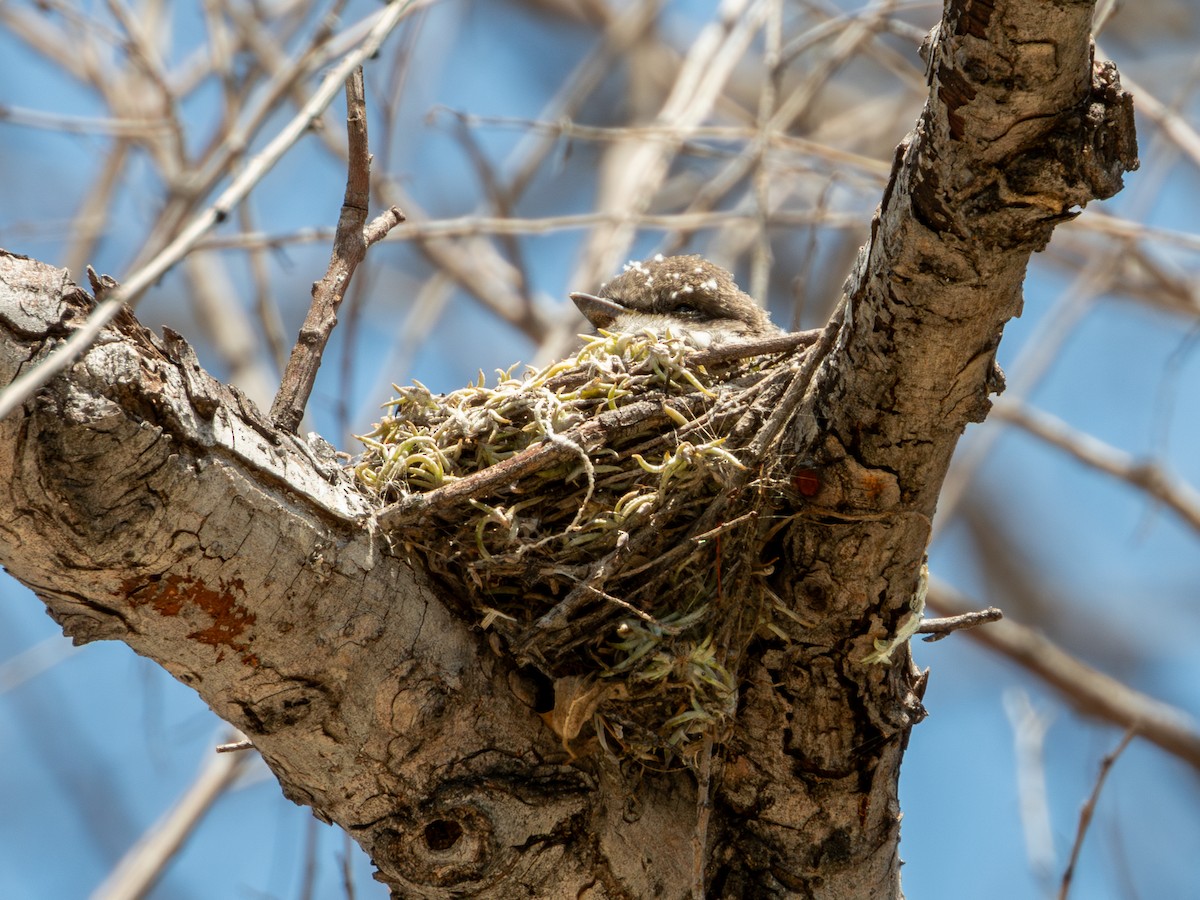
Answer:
(687, 294)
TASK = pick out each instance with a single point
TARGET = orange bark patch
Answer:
(173, 594)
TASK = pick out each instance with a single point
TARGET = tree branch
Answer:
(349, 249)
(1088, 690)
(145, 502)
(14, 394)
(1020, 129)
(1148, 476)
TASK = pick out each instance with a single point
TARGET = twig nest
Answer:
(583, 513)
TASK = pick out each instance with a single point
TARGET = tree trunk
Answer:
(146, 503)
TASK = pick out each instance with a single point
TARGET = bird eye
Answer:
(686, 309)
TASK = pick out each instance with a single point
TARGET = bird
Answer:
(689, 296)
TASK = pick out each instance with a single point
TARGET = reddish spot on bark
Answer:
(873, 485)
(806, 481)
(172, 594)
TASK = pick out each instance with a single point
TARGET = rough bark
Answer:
(1021, 130)
(146, 503)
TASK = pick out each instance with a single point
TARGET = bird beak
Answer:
(600, 312)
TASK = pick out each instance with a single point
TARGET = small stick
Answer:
(588, 435)
(796, 389)
(24, 386)
(756, 346)
(350, 244)
(1089, 808)
(235, 746)
(939, 628)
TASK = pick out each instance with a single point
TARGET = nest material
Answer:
(595, 516)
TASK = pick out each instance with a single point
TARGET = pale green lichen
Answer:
(908, 625)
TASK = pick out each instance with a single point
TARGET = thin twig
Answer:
(1089, 809)
(1090, 691)
(390, 133)
(426, 230)
(349, 249)
(939, 628)
(147, 859)
(1176, 494)
(235, 746)
(689, 137)
(796, 390)
(758, 346)
(24, 386)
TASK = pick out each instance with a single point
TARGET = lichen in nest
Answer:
(585, 514)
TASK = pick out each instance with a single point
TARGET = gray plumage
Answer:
(687, 294)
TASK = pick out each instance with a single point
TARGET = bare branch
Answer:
(349, 248)
(1174, 493)
(940, 628)
(146, 860)
(1089, 809)
(23, 387)
(1090, 691)
(424, 230)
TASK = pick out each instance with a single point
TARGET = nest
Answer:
(605, 521)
